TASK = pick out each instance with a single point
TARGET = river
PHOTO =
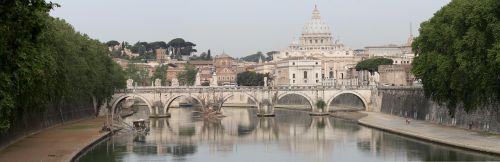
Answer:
(291, 136)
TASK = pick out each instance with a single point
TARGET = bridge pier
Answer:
(265, 107)
(265, 110)
(318, 112)
(156, 114)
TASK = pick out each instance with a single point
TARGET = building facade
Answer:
(395, 75)
(299, 71)
(225, 69)
(161, 55)
(316, 48)
(205, 68)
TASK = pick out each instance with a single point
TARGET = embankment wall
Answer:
(411, 102)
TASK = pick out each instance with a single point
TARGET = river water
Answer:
(291, 136)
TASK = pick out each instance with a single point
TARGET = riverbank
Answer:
(60, 143)
(473, 140)
(352, 115)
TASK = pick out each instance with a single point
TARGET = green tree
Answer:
(205, 83)
(112, 43)
(21, 65)
(209, 55)
(250, 78)
(372, 64)
(155, 45)
(254, 57)
(187, 77)
(180, 48)
(259, 55)
(161, 73)
(138, 74)
(458, 54)
(45, 62)
(320, 104)
(203, 56)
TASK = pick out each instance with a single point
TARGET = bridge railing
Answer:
(160, 89)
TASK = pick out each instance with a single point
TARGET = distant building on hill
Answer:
(161, 55)
(205, 68)
(225, 68)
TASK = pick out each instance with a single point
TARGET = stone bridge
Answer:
(159, 99)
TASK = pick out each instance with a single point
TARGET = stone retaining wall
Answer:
(36, 120)
(411, 102)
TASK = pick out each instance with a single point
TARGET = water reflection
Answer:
(290, 136)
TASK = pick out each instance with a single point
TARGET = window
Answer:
(293, 75)
(317, 75)
(311, 41)
(321, 40)
(323, 76)
(293, 63)
(305, 74)
(293, 81)
(331, 74)
(316, 63)
(317, 81)
(316, 41)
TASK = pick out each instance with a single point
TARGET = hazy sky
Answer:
(242, 27)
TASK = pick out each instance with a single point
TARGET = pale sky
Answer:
(242, 27)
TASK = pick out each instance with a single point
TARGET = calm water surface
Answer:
(291, 136)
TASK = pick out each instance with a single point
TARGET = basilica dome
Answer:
(316, 25)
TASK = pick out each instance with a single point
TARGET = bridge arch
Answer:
(115, 103)
(172, 99)
(248, 95)
(365, 103)
(311, 103)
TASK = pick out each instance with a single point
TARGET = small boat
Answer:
(140, 126)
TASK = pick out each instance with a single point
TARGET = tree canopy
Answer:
(138, 74)
(112, 43)
(187, 77)
(44, 61)
(259, 55)
(161, 73)
(372, 64)
(458, 54)
(251, 78)
(180, 48)
(203, 56)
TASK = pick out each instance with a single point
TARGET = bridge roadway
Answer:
(158, 99)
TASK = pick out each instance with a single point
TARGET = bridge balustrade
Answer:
(168, 89)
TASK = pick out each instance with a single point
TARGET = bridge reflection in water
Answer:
(290, 136)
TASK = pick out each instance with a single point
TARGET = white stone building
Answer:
(299, 71)
(400, 54)
(316, 50)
